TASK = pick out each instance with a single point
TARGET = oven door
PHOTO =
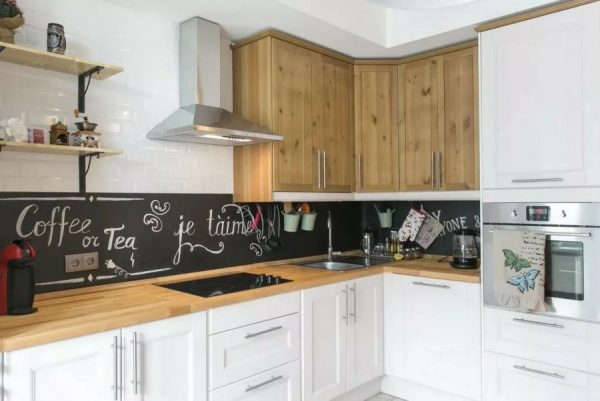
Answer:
(572, 269)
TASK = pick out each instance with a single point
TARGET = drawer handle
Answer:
(446, 287)
(539, 372)
(553, 325)
(526, 180)
(260, 333)
(259, 385)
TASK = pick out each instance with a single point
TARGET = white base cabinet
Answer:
(512, 379)
(279, 384)
(342, 334)
(83, 369)
(165, 360)
(433, 333)
(162, 360)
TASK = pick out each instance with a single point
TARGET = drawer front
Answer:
(244, 352)
(279, 384)
(514, 379)
(245, 313)
(594, 348)
(540, 338)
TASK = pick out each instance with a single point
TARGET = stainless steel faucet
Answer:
(330, 252)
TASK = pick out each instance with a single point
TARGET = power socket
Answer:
(81, 262)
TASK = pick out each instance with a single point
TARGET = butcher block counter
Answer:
(74, 313)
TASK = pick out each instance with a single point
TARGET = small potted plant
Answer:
(11, 18)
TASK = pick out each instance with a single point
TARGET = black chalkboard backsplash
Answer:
(145, 235)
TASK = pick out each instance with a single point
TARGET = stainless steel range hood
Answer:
(204, 71)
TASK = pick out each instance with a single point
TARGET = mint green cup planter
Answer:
(290, 222)
(308, 221)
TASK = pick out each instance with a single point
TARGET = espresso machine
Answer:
(17, 285)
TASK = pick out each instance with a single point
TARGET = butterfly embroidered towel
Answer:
(520, 269)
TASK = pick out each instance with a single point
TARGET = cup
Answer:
(385, 218)
(290, 222)
(308, 221)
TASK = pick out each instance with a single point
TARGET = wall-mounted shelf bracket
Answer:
(83, 86)
(84, 169)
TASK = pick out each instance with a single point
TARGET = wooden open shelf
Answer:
(56, 149)
(55, 62)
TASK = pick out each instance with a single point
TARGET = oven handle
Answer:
(556, 233)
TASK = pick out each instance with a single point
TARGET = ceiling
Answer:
(358, 28)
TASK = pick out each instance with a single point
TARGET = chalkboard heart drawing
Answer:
(152, 219)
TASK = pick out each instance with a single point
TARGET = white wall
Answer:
(125, 106)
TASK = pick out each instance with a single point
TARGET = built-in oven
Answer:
(572, 285)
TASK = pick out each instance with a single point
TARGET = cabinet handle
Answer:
(273, 379)
(260, 333)
(439, 170)
(525, 180)
(319, 168)
(134, 382)
(539, 372)
(324, 170)
(345, 315)
(432, 170)
(353, 290)
(526, 321)
(444, 286)
(360, 177)
(115, 346)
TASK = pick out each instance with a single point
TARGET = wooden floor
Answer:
(383, 397)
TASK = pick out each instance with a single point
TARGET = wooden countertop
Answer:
(87, 311)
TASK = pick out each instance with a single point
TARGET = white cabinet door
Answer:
(593, 352)
(279, 384)
(365, 330)
(540, 96)
(594, 388)
(169, 362)
(513, 379)
(433, 333)
(82, 369)
(244, 352)
(324, 329)
(545, 339)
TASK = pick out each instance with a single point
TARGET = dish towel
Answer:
(520, 269)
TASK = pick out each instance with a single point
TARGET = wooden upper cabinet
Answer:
(418, 124)
(305, 96)
(292, 118)
(458, 121)
(439, 135)
(376, 122)
(332, 124)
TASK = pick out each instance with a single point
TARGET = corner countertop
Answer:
(75, 313)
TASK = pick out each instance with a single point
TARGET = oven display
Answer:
(538, 213)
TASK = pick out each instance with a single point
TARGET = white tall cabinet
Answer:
(540, 101)
(162, 360)
(342, 331)
(432, 338)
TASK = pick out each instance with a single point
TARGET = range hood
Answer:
(204, 73)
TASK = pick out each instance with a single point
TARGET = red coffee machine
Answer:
(17, 286)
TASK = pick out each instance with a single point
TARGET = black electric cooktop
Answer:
(220, 285)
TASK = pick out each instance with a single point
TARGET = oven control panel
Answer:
(538, 213)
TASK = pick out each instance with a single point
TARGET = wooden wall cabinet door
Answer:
(419, 124)
(332, 124)
(376, 124)
(439, 135)
(292, 118)
(458, 121)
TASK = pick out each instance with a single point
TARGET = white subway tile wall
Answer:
(125, 106)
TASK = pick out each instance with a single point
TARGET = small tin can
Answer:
(56, 42)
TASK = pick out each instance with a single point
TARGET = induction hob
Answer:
(227, 284)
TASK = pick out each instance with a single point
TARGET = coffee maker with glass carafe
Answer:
(464, 250)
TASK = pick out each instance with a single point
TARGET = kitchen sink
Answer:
(345, 263)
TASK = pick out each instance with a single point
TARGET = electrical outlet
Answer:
(81, 262)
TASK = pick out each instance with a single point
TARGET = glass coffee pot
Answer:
(464, 250)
